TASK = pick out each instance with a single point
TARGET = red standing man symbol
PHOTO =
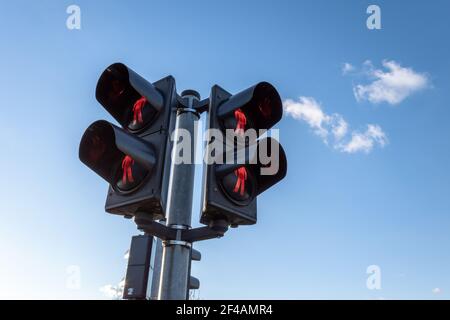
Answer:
(241, 121)
(137, 110)
(127, 164)
(241, 175)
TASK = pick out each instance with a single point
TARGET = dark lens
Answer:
(265, 106)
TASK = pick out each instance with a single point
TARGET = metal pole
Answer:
(156, 274)
(176, 254)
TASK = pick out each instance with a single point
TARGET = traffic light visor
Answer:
(129, 98)
(258, 107)
(117, 156)
(265, 165)
(273, 168)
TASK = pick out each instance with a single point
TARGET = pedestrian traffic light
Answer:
(135, 158)
(138, 269)
(240, 163)
(194, 283)
(132, 158)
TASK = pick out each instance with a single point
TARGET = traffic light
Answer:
(194, 283)
(135, 158)
(132, 158)
(240, 162)
(138, 268)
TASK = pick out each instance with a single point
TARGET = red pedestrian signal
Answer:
(132, 158)
(230, 190)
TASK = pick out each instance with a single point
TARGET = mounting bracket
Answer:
(199, 106)
(145, 223)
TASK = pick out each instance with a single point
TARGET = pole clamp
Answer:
(186, 110)
(168, 243)
(192, 104)
(179, 226)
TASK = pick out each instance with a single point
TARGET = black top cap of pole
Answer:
(190, 93)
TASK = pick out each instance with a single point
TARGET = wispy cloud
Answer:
(347, 68)
(392, 85)
(113, 291)
(436, 291)
(364, 141)
(333, 129)
(309, 110)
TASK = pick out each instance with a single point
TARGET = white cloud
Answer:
(339, 127)
(364, 141)
(347, 68)
(110, 291)
(113, 292)
(310, 111)
(392, 86)
(307, 109)
(436, 291)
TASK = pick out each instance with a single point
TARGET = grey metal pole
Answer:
(176, 254)
(156, 275)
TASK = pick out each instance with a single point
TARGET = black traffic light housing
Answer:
(132, 158)
(261, 105)
(138, 269)
(230, 189)
(119, 89)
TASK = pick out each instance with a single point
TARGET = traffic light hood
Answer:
(268, 172)
(265, 181)
(119, 88)
(261, 103)
(104, 146)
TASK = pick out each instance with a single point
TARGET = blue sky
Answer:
(383, 201)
